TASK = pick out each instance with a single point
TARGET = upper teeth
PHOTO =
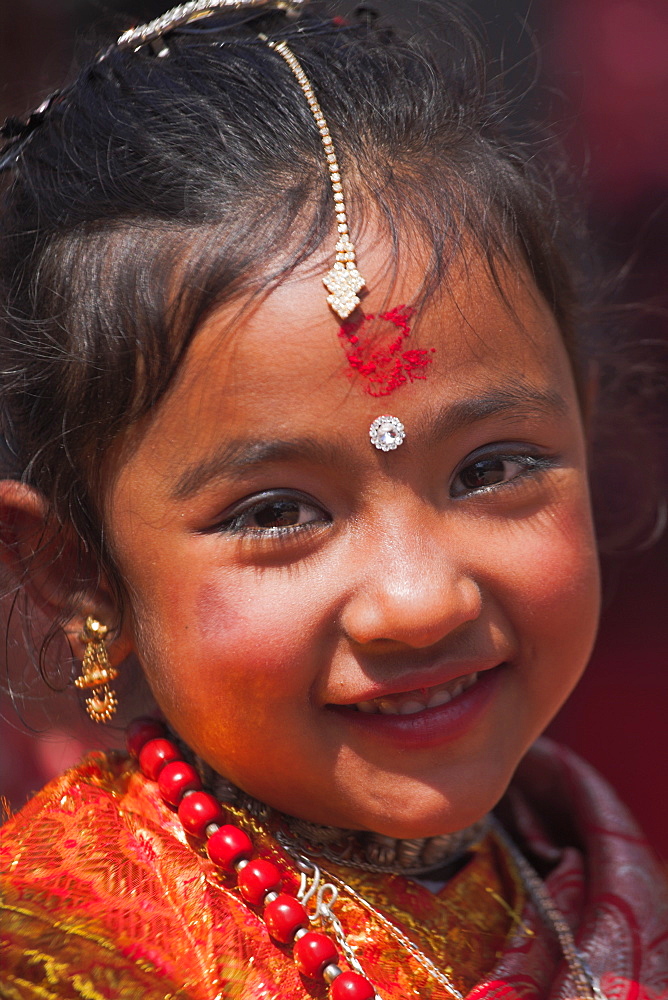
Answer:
(410, 702)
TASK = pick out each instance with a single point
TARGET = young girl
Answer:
(295, 409)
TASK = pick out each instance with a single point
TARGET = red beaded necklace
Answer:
(231, 850)
(286, 917)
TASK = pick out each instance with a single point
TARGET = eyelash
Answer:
(530, 465)
(236, 524)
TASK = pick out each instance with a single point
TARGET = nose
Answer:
(411, 589)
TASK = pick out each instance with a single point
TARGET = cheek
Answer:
(253, 618)
(252, 664)
(541, 573)
(561, 567)
(232, 641)
(245, 636)
(556, 601)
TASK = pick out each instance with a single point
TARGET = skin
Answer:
(398, 574)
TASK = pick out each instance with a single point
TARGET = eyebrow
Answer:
(517, 400)
(240, 456)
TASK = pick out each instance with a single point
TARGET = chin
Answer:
(428, 819)
(414, 810)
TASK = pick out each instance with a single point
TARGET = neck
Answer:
(357, 848)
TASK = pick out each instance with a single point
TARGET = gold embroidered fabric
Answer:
(462, 928)
(104, 897)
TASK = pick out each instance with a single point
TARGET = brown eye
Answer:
(494, 470)
(272, 515)
(486, 472)
(280, 514)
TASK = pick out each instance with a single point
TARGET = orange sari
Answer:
(103, 896)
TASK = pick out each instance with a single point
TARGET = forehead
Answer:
(280, 368)
(474, 328)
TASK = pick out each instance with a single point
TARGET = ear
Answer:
(44, 559)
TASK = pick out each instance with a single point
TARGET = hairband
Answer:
(195, 10)
(17, 131)
(343, 281)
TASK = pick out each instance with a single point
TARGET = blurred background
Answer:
(604, 65)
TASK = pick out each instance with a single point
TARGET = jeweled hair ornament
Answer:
(195, 10)
(16, 132)
(343, 281)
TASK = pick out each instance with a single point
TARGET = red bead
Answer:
(154, 755)
(351, 986)
(142, 730)
(258, 878)
(197, 811)
(176, 779)
(313, 952)
(283, 917)
(229, 845)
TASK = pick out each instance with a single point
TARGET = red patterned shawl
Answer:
(103, 897)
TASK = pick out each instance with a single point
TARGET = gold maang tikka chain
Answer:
(97, 672)
(343, 281)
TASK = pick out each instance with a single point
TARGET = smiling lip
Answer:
(422, 728)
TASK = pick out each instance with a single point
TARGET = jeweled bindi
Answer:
(387, 433)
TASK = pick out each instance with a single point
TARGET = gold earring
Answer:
(97, 672)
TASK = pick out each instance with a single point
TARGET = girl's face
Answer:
(365, 639)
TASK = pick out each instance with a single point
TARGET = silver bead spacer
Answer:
(270, 897)
(300, 933)
(211, 829)
(240, 865)
(331, 972)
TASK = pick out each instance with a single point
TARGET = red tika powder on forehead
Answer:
(376, 354)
